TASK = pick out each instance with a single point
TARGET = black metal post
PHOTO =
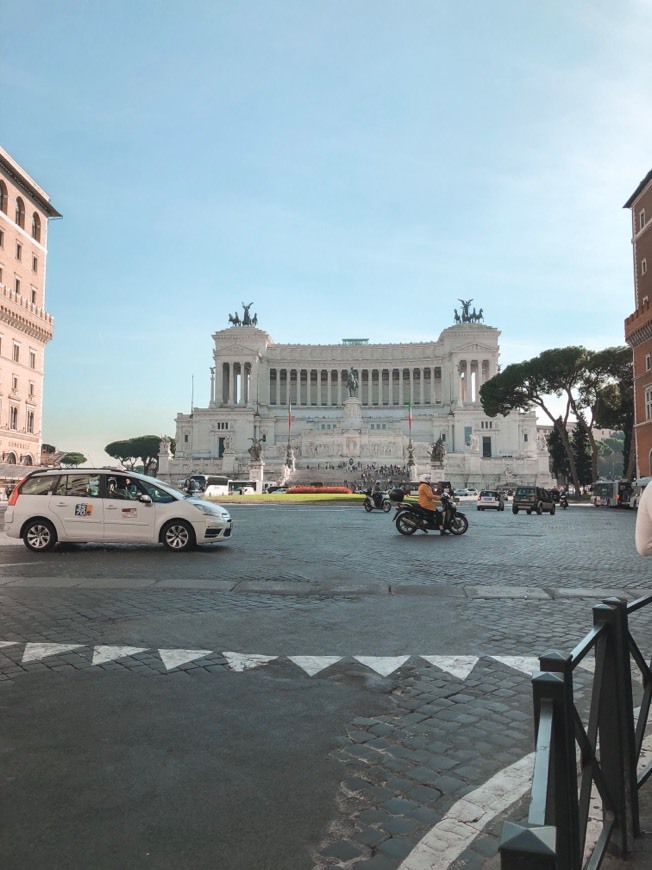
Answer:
(616, 726)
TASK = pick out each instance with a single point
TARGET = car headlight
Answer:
(212, 510)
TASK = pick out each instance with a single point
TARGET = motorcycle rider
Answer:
(377, 495)
(428, 503)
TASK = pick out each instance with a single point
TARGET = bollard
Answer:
(527, 848)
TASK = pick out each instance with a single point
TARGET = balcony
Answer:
(638, 326)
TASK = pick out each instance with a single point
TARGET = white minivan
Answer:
(110, 506)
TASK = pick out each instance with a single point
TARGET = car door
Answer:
(126, 517)
(77, 506)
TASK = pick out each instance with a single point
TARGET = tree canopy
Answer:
(597, 386)
(71, 460)
(144, 448)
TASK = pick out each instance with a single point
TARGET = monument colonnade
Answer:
(238, 382)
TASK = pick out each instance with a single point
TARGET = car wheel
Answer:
(514, 510)
(479, 508)
(178, 535)
(552, 511)
(539, 509)
(528, 512)
(405, 524)
(39, 536)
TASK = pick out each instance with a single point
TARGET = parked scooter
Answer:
(411, 518)
(377, 500)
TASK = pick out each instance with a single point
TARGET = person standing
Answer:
(643, 534)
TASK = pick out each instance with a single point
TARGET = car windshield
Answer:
(172, 490)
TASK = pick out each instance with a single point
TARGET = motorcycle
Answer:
(377, 501)
(411, 518)
(563, 501)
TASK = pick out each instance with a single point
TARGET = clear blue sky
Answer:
(350, 167)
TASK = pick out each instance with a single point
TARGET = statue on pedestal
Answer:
(256, 450)
(352, 382)
(438, 450)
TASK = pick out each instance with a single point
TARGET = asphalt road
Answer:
(210, 743)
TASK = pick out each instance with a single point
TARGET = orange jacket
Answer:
(427, 498)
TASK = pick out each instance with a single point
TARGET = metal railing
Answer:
(574, 763)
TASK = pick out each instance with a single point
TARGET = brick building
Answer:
(638, 326)
(25, 326)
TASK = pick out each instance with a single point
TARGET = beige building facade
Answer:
(25, 325)
(303, 408)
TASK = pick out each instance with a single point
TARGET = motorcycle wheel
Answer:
(458, 525)
(405, 524)
(387, 506)
(368, 507)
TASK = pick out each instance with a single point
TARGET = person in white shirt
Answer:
(643, 535)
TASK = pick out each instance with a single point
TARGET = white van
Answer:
(103, 505)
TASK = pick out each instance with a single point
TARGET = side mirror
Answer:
(145, 499)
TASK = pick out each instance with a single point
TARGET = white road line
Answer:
(103, 654)
(469, 816)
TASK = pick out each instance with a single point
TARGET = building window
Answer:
(648, 403)
(31, 390)
(14, 382)
(36, 227)
(34, 263)
(16, 353)
(30, 422)
(32, 359)
(13, 418)
(1, 281)
(20, 213)
(643, 266)
(3, 197)
(2, 238)
(34, 296)
(17, 286)
(647, 362)
(525, 436)
(19, 251)
(641, 219)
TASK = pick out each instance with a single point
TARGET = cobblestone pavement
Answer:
(395, 750)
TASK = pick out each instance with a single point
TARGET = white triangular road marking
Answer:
(35, 651)
(383, 665)
(246, 661)
(456, 666)
(314, 664)
(8, 643)
(172, 658)
(103, 654)
(527, 664)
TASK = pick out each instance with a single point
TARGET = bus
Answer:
(217, 484)
(612, 493)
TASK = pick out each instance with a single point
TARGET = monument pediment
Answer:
(473, 347)
(238, 350)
